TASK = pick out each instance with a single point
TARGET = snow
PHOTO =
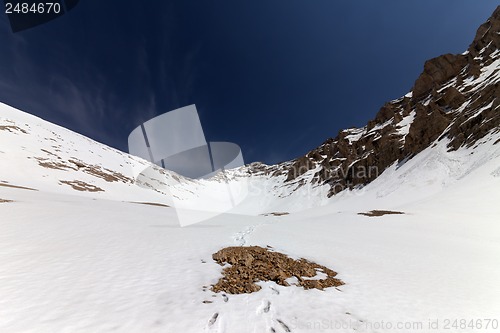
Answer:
(403, 127)
(380, 126)
(355, 134)
(478, 112)
(448, 84)
(489, 75)
(74, 261)
(491, 69)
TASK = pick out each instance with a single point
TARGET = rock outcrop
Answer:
(456, 98)
(252, 264)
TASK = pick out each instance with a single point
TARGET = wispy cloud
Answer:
(77, 96)
(97, 90)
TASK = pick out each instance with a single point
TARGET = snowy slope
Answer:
(78, 261)
(90, 239)
(456, 97)
(44, 156)
(58, 160)
(75, 264)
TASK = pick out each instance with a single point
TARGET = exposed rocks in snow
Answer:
(451, 97)
(253, 264)
(487, 38)
(12, 128)
(152, 204)
(82, 186)
(93, 170)
(103, 173)
(50, 153)
(18, 187)
(429, 123)
(276, 214)
(375, 213)
(4, 200)
(299, 167)
(56, 165)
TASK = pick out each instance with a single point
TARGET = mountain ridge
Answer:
(455, 109)
(92, 239)
(455, 98)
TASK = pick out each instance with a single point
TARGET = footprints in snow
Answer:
(267, 307)
(213, 325)
(213, 319)
(224, 297)
(272, 323)
(283, 325)
(265, 310)
(240, 237)
(264, 307)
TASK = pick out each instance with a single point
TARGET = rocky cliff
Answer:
(456, 98)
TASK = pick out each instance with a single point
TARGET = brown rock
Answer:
(253, 264)
(438, 71)
(460, 113)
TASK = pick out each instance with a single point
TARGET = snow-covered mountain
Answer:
(453, 106)
(90, 240)
(454, 100)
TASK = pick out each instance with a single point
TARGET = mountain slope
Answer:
(78, 254)
(456, 98)
(453, 107)
(78, 261)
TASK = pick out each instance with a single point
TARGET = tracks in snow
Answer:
(240, 238)
(265, 310)
(273, 324)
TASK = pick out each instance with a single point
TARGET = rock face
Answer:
(456, 98)
(437, 71)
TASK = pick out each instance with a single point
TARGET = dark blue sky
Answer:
(277, 77)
